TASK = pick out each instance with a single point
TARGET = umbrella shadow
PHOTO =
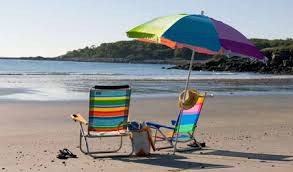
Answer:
(171, 161)
(256, 156)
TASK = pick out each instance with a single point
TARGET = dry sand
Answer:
(242, 134)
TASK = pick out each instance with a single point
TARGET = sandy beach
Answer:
(60, 59)
(242, 133)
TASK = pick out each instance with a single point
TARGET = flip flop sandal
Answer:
(203, 144)
(69, 153)
(61, 155)
(195, 145)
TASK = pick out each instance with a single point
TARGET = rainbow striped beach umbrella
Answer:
(199, 33)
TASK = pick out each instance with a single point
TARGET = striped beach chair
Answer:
(182, 129)
(108, 117)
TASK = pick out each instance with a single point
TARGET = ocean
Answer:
(65, 80)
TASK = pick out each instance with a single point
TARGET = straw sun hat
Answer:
(190, 99)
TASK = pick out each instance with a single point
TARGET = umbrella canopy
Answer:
(197, 32)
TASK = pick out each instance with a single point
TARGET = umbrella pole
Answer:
(185, 90)
(189, 72)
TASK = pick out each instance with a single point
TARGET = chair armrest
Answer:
(173, 122)
(78, 117)
(158, 126)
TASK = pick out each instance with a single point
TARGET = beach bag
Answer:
(142, 141)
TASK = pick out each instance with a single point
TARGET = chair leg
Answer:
(93, 153)
(195, 141)
(165, 139)
(166, 147)
(110, 151)
(190, 148)
(155, 137)
(175, 148)
(168, 140)
(86, 144)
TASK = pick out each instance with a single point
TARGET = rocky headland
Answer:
(280, 61)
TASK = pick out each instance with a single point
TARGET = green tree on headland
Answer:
(135, 51)
(265, 43)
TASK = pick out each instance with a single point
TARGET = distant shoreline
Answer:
(101, 60)
(199, 65)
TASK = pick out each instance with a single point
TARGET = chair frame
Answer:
(170, 141)
(84, 136)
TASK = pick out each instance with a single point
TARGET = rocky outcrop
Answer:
(278, 64)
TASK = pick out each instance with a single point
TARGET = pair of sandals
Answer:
(65, 154)
(195, 144)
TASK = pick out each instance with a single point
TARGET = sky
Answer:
(52, 27)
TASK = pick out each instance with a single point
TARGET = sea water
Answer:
(65, 80)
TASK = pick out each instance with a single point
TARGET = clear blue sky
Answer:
(52, 27)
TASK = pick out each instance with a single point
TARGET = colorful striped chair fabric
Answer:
(183, 128)
(108, 111)
(189, 118)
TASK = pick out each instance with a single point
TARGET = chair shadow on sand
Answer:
(171, 161)
(256, 156)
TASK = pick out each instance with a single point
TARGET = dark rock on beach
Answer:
(280, 62)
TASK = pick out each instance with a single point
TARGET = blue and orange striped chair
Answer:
(108, 117)
(183, 128)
